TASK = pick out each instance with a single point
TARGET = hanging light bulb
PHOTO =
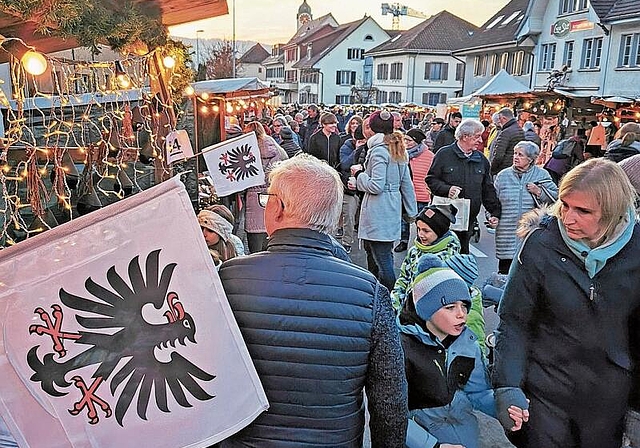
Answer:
(189, 91)
(169, 62)
(121, 75)
(34, 62)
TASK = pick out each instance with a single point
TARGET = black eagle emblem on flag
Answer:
(238, 163)
(120, 344)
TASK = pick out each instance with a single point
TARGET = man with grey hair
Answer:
(459, 170)
(510, 134)
(319, 329)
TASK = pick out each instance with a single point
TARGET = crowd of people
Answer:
(415, 343)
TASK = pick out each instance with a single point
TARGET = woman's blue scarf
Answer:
(597, 257)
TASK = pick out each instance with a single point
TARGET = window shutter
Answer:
(443, 98)
(338, 77)
(353, 78)
(445, 71)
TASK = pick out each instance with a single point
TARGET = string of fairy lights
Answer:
(100, 114)
(78, 128)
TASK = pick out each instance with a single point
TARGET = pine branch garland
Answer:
(92, 22)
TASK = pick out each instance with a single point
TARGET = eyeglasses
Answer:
(263, 198)
(277, 125)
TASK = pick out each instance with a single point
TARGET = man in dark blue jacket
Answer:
(319, 329)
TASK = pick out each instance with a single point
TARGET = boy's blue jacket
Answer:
(445, 385)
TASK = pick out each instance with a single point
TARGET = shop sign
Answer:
(580, 25)
(471, 110)
(561, 28)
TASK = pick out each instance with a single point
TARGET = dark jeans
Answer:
(404, 226)
(257, 242)
(380, 261)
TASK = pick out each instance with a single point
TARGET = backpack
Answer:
(564, 149)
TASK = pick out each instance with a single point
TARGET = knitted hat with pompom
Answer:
(435, 286)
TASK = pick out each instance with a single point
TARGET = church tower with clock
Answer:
(304, 14)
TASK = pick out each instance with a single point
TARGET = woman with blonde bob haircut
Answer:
(563, 344)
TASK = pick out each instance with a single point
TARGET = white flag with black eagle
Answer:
(116, 332)
(235, 164)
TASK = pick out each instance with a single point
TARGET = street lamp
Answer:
(198, 48)
(233, 55)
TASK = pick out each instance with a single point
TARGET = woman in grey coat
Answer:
(516, 187)
(386, 183)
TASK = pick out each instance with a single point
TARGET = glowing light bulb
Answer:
(205, 96)
(189, 91)
(34, 63)
(216, 109)
(169, 61)
(229, 108)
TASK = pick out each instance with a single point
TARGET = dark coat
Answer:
(445, 137)
(531, 136)
(451, 167)
(325, 148)
(507, 138)
(318, 330)
(563, 337)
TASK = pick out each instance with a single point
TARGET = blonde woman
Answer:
(386, 183)
(564, 341)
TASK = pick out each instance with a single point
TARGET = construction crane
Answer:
(397, 10)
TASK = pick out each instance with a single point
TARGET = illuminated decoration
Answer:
(32, 61)
(100, 113)
(169, 62)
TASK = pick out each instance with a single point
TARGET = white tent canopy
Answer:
(228, 85)
(502, 83)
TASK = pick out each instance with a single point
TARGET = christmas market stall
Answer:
(83, 133)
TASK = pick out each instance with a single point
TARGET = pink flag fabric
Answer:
(116, 332)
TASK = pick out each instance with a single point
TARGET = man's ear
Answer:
(279, 210)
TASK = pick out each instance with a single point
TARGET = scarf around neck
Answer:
(597, 257)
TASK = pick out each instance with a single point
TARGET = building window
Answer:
(383, 71)
(368, 38)
(309, 77)
(355, 53)
(480, 65)
(518, 63)
(395, 97)
(433, 99)
(459, 72)
(547, 57)
(569, 6)
(345, 78)
(381, 97)
(291, 55)
(629, 50)
(396, 70)
(343, 99)
(567, 58)
(436, 71)
(291, 76)
(259, 69)
(504, 61)
(275, 72)
(493, 64)
(591, 53)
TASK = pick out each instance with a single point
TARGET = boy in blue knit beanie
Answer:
(445, 368)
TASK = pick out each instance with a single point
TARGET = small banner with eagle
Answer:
(116, 332)
(235, 164)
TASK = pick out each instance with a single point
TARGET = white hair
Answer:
(310, 190)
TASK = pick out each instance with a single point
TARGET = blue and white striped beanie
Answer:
(465, 265)
(436, 285)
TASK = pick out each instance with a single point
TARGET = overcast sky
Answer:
(274, 21)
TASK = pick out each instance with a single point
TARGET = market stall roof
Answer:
(232, 87)
(501, 84)
(612, 101)
(173, 12)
